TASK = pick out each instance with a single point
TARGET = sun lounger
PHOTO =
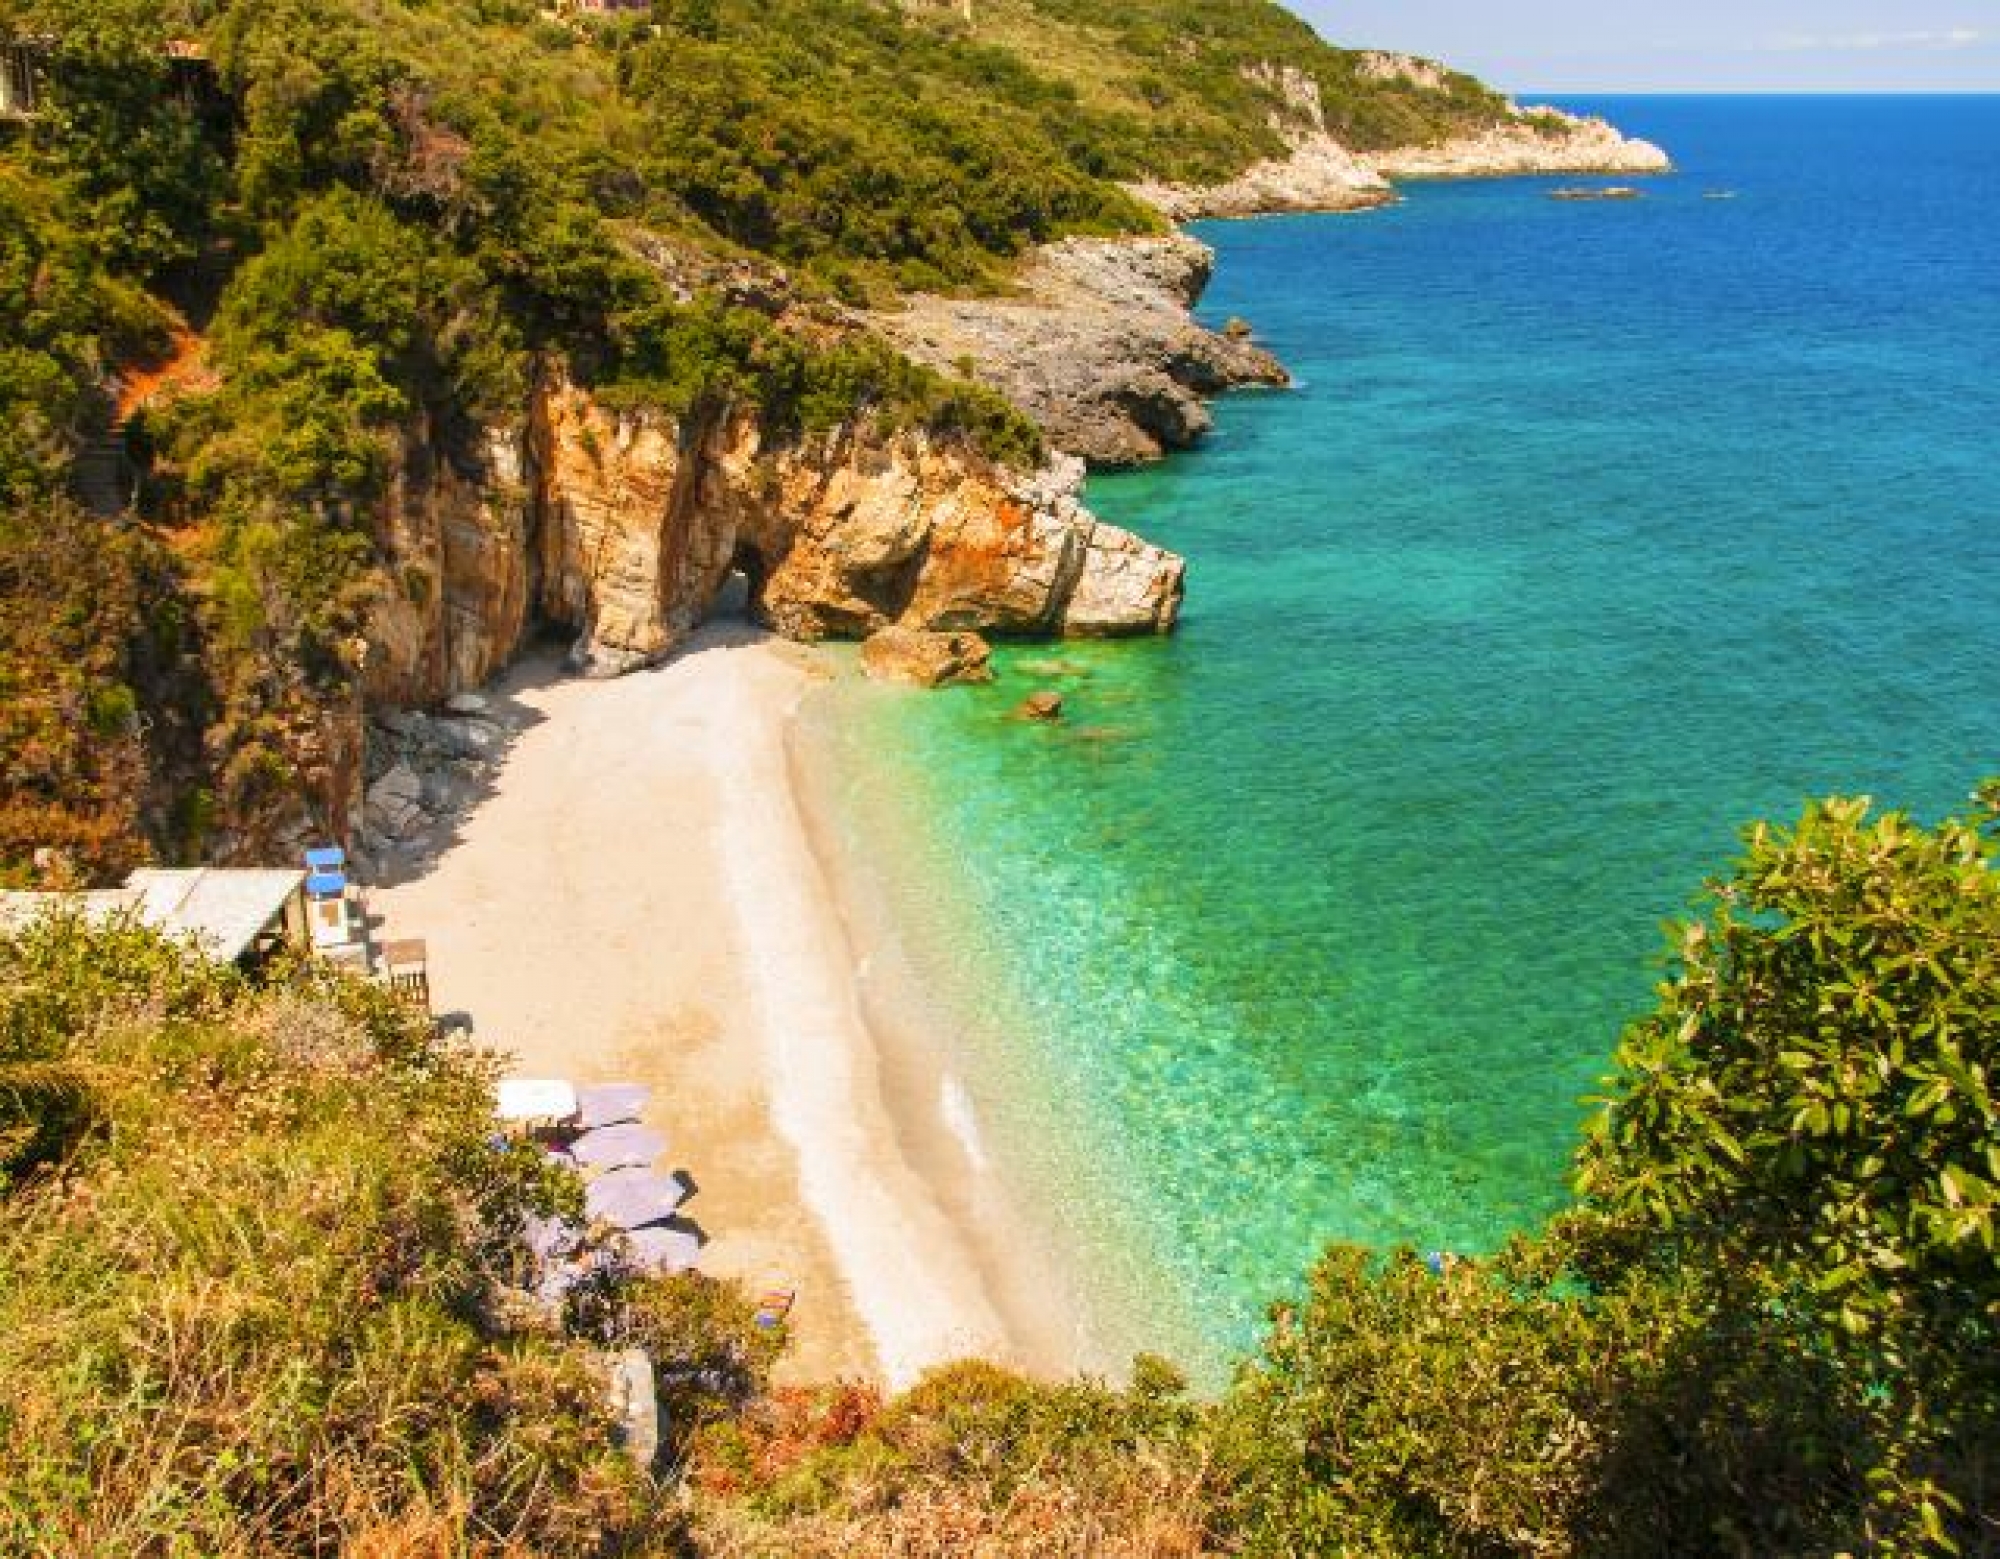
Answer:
(656, 1249)
(534, 1101)
(607, 1104)
(633, 1198)
(625, 1146)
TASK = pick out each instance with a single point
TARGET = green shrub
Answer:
(255, 1312)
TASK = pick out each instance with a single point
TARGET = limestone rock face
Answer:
(1319, 174)
(622, 527)
(926, 659)
(457, 586)
(1541, 141)
(1096, 344)
(1124, 587)
(627, 554)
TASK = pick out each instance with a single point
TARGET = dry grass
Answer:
(975, 1463)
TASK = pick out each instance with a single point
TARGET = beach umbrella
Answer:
(662, 1250)
(618, 1147)
(606, 1104)
(632, 1198)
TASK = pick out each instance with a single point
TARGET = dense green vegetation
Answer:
(255, 1273)
(318, 235)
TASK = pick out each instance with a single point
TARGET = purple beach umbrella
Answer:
(633, 1198)
(606, 1104)
(618, 1147)
(662, 1250)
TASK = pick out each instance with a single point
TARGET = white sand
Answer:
(639, 897)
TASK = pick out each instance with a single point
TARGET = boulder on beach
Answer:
(926, 659)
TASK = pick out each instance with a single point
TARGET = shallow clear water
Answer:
(1594, 531)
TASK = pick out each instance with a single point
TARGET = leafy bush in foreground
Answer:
(249, 1284)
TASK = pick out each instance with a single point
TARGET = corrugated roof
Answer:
(224, 911)
(20, 910)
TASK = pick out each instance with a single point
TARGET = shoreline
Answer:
(647, 893)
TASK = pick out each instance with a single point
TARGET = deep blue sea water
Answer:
(1592, 532)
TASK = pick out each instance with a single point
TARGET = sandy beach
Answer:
(639, 898)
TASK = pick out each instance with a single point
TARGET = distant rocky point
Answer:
(1097, 344)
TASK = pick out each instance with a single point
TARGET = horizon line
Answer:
(1753, 91)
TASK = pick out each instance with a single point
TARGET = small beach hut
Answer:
(231, 915)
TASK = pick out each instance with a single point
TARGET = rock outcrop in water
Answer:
(926, 659)
(1097, 344)
(1540, 141)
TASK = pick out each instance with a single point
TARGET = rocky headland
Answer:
(1543, 140)
(1097, 340)
(1320, 174)
(1097, 343)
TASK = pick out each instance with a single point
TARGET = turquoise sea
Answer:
(1592, 532)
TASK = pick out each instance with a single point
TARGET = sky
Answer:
(1581, 46)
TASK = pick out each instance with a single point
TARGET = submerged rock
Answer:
(1046, 704)
(923, 659)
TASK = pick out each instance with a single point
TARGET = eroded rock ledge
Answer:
(1097, 344)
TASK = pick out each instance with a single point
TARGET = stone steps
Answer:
(103, 477)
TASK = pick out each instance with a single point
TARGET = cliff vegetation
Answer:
(272, 272)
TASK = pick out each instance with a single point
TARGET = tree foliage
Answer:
(1813, 1105)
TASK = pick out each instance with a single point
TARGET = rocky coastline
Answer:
(1098, 343)
(620, 528)
(1320, 175)
(1098, 340)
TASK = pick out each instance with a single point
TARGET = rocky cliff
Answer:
(1320, 174)
(1096, 343)
(1535, 141)
(622, 527)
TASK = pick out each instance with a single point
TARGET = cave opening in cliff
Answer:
(743, 587)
